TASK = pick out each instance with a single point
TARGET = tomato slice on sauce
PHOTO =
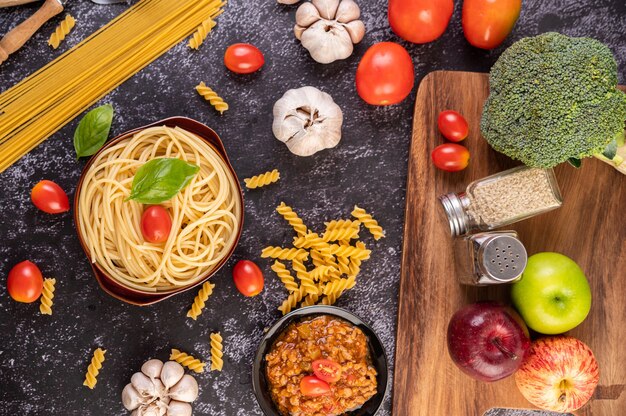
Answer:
(312, 386)
(327, 370)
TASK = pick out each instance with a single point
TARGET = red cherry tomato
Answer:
(156, 224)
(248, 278)
(420, 21)
(451, 157)
(487, 23)
(50, 197)
(312, 386)
(385, 74)
(243, 58)
(453, 126)
(25, 282)
(327, 370)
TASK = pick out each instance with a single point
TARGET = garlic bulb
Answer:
(307, 120)
(160, 390)
(329, 28)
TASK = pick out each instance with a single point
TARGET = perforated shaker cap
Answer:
(457, 217)
(502, 258)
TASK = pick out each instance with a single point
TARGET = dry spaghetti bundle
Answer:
(45, 101)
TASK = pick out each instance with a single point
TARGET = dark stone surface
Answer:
(43, 359)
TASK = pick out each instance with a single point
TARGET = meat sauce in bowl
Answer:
(323, 337)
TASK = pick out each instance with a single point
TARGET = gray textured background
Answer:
(43, 359)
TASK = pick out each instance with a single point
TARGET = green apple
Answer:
(553, 295)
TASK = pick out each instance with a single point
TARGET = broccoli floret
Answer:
(553, 98)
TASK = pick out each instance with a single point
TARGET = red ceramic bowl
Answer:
(134, 296)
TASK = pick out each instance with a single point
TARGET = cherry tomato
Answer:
(50, 197)
(156, 224)
(312, 386)
(243, 58)
(451, 157)
(453, 126)
(420, 21)
(25, 282)
(327, 370)
(487, 23)
(248, 278)
(385, 74)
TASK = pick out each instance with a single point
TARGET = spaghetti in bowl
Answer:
(207, 215)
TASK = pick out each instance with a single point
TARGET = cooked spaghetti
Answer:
(205, 215)
(51, 97)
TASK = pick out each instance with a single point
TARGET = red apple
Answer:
(487, 340)
(559, 374)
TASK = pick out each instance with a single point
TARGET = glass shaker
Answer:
(502, 199)
(490, 258)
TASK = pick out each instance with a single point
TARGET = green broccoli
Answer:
(553, 98)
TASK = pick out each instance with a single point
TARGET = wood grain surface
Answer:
(589, 228)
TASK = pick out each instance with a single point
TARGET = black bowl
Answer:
(377, 352)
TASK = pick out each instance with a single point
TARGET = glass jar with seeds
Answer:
(502, 199)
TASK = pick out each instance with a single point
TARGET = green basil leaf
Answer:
(159, 180)
(93, 131)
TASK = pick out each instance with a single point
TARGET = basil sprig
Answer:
(159, 180)
(93, 131)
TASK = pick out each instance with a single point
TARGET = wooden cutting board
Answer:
(589, 228)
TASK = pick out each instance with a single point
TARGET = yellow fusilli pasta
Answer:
(263, 179)
(46, 296)
(292, 218)
(284, 253)
(344, 264)
(91, 377)
(217, 363)
(321, 272)
(334, 290)
(305, 279)
(355, 263)
(201, 33)
(292, 301)
(212, 97)
(61, 31)
(199, 301)
(284, 276)
(369, 222)
(187, 360)
(310, 300)
(337, 224)
(347, 233)
(350, 251)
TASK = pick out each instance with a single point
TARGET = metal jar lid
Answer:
(457, 217)
(502, 257)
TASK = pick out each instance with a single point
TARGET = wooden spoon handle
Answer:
(9, 3)
(17, 37)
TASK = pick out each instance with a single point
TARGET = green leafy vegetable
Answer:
(159, 180)
(93, 131)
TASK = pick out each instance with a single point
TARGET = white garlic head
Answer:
(160, 390)
(307, 120)
(329, 28)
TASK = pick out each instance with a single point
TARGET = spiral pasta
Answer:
(292, 301)
(46, 296)
(346, 234)
(217, 352)
(284, 253)
(321, 272)
(263, 179)
(201, 33)
(187, 360)
(305, 278)
(212, 97)
(61, 31)
(283, 274)
(355, 263)
(369, 222)
(334, 290)
(91, 377)
(337, 224)
(292, 218)
(350, 251)
(199, 301)
(310, 300)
